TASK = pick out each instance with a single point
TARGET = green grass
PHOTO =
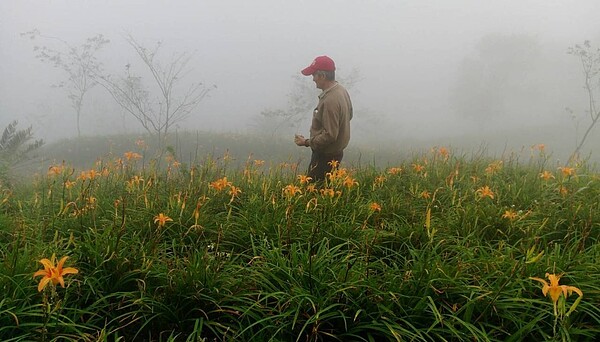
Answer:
(269, 266)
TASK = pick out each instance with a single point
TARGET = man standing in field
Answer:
(330, 128)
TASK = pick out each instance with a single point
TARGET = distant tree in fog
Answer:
(161, 102)
(498, 79)
(79, 64)
(300, 103)
(590, 65)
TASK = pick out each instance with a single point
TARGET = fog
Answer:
(433, 71)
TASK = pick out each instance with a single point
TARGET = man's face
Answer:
(319, 79)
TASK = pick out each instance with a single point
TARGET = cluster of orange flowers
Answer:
(223, 184)
(130, 155)
(220, 184)
(394, 170)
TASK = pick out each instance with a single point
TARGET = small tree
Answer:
(301, 102)
(590, 64)
(14, 148)
(157, 111)
(79, 63)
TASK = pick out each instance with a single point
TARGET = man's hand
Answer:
(300, 140)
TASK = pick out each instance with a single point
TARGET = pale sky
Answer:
(408, 52)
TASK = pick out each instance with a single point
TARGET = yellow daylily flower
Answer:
(555, 290)
(510, 214)
(53, 273)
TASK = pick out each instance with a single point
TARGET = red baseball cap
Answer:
(320, 63)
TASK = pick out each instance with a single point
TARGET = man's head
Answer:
(322, 70)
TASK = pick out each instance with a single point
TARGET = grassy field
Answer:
(212, 246)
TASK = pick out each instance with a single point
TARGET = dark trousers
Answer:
(320, 164)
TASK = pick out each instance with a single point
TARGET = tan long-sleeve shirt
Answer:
(330, 128)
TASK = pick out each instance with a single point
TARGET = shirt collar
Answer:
(324, 92)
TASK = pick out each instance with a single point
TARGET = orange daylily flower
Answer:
(394, 170)
(304, 179)
(493, 167)
(349, 182)
(220, 184)
(510, 214)
(540, 147)
(375, 206)
(418, 167)
(234, 191)
(55, 170)
(132, 155)
(563, 190)
(444, 152)
(567, 171)
(546, 175)
(485, 192)
(334, 164)
(328, 192)
(53, 273)
(69, 184)
(162, 219)
(92, 174)
(379, 180)
(291, 190)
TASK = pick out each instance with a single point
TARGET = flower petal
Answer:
(47, 264)
(61, 262)
(69, 270)
(43, 283)
(40, 273)
(575, 289)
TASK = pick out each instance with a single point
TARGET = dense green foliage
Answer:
(440, 246)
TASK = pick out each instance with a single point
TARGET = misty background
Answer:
(455, 73)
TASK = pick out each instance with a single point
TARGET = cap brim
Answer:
(308, 71)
